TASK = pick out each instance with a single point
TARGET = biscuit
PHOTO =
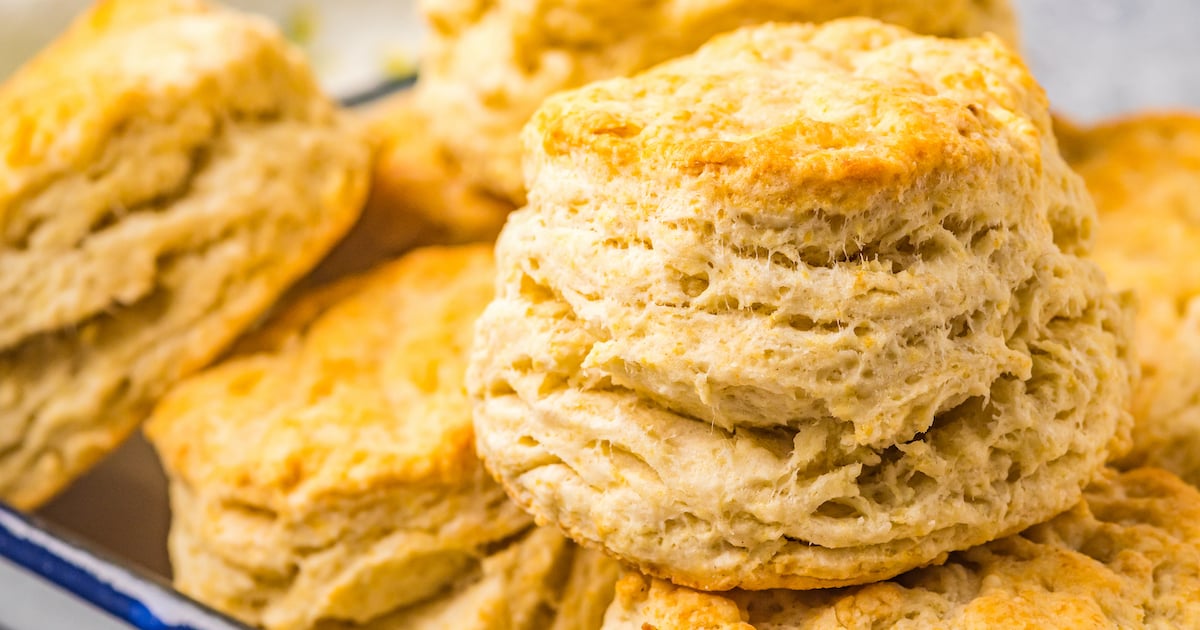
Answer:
(1126, 557)
(1144, 174)
(327, 476)
(801, 310)
(489, 64)
(167, 169)
(418, 195)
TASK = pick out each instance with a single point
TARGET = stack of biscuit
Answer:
(419, 193)
(812, 308)
(803, 327)
(806, 308)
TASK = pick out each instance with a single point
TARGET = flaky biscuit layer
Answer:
(801, 310)
(166, 171)
(1128, 556)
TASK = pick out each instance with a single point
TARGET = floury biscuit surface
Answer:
(1127, 557)
(1144, 174)
(326, 477)
(803, 309)
(490, 64)
(167, 169)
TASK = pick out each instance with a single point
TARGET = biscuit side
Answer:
(1144, 173)
(160, 186)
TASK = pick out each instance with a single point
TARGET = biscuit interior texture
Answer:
(803, 309)
(166, 171)
(489, 64)
(1128, 556)
(418, 195)
(327, 476)
(1144, 173)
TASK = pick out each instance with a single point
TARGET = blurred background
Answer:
(1099, 58)
(353, 44)
(1096, 58)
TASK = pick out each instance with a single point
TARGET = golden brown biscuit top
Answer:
(58, 113)
(368, 393)
(838, 113)
(490, 63)
(1127, 557)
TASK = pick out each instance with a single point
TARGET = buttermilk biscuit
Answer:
(489, 64)
(166, 170)
(327, 476)
(1144, 173)
(803, 309)
(1126, 557)
(418, 195)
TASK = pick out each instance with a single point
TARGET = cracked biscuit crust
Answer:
(166, 171)
(1128, 556)
(1144, 174)
(801, 310)
(490, 63)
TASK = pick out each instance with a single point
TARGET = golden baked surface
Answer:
(1128, 556)
(377, 373)
(166, 171)
(803, 309)
(1144, 173)
(489, 64)
(328, 475)
(419, 195)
